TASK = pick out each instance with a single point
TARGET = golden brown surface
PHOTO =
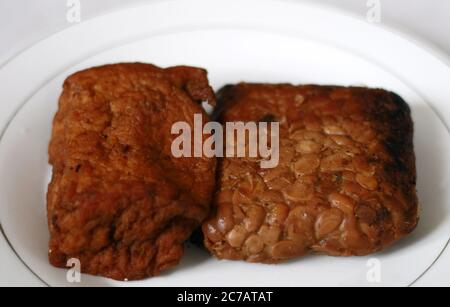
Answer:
(118, 200)
(345, 184)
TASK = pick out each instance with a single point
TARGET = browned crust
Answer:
(346, 180)
(118, 201)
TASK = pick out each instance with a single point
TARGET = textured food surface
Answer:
(118, 201)
(345, 184)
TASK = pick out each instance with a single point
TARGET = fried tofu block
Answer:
(118, 200)
(345, 183)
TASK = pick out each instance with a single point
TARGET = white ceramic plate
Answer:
(254, 40)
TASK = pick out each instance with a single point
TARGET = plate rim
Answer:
(430, 49)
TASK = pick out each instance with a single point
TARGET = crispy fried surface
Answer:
(118, 200)
(345, 184)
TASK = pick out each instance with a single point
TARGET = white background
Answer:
(24, 22)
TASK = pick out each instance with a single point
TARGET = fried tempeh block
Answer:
(345, 184)
(118, 200)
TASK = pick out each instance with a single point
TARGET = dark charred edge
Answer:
(224, 96)
(394, 113)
